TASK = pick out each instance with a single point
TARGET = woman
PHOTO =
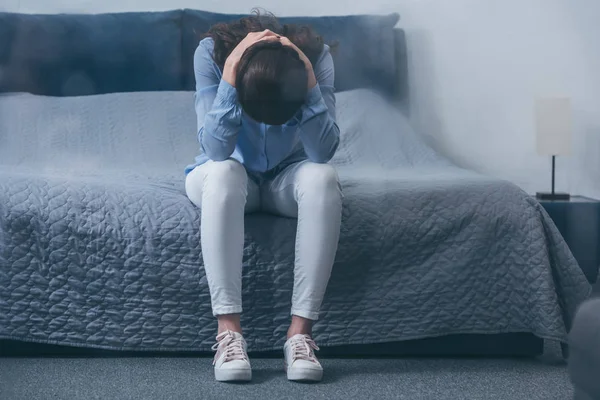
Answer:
(266, 126)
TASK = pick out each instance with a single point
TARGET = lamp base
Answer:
(552, 196)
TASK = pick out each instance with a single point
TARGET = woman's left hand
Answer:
(312, 80)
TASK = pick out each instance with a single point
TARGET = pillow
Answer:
(68, 55)
(365, 56)
(376, 133)
(151, 131)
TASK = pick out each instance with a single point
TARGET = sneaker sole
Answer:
(304, 374)
(233, 375)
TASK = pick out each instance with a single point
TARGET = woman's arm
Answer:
(217, 108)
(218, 113)
(319, 131)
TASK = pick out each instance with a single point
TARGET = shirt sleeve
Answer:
(319, 132)
(218, 112)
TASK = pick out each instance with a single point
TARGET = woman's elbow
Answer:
(215, 150)
(324, 155)
(335, 133)
(217, 156)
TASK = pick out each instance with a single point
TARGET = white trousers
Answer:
(308, 191)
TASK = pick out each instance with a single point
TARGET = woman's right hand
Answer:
(233, 60)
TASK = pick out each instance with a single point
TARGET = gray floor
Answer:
(189, 378)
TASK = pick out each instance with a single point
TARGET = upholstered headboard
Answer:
(83, 54)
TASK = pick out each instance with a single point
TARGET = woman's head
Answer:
(271, 79)
(272, 82)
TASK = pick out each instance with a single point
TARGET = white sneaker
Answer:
(300, 360)
(231, 361)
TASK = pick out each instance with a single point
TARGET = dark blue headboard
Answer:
(82, 54)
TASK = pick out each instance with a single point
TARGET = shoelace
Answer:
(302, 348)
(232, 347)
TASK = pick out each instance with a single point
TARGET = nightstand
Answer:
(578, 220)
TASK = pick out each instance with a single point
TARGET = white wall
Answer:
(476, 67)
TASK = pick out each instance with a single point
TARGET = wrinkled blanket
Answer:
(100, 247)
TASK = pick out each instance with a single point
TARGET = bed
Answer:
(100, 248)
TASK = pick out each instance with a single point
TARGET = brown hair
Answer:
(228, 35)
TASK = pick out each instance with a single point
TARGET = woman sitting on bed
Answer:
(266, 126)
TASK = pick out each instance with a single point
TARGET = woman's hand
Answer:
(312, 80)
(233, 60)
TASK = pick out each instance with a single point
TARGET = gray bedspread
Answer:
(99, 245)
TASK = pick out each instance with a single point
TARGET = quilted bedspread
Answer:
(100, 247)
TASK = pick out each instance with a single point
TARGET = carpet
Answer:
(192, 378)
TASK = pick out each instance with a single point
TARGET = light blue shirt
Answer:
(225, 131)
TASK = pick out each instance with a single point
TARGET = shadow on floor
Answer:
(504, 345)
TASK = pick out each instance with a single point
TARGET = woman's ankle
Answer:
(229, 322)
(300, 326)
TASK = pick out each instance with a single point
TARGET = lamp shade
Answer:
(553, 120)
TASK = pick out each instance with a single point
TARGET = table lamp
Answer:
(553, 130)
